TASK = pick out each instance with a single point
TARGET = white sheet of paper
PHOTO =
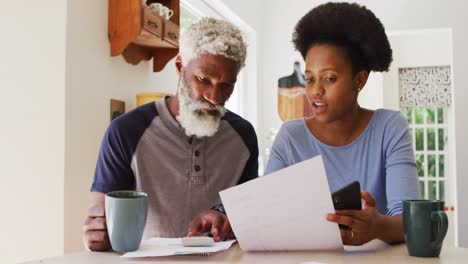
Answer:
(159, 247)
(285, 210)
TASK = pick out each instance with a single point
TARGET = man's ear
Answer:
(179, 65)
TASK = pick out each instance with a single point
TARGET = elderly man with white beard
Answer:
(181, 150)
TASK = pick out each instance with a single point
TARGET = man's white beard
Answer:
(192, 118)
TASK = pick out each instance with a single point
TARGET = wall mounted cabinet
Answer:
(136, 33)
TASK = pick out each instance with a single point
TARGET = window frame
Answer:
(445, 125)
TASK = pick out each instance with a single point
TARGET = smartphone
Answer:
(347, 198)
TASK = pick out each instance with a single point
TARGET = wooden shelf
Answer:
(138, 34)
(144, 98)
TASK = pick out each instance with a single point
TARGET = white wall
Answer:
(32, 114)
(277, 58)
(248, 12)
(92, 79)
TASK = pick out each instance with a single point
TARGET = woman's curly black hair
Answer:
(347, 25)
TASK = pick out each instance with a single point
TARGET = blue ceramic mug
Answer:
(126, 218)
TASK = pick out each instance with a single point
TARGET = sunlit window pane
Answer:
(421, 188)
(431, 165)
(409, 115)
(420, 164)
(431, 140)
(419, 139)
(440, 115)
(432, 190)
(419, 115)
(441, 138)
(441, 166)
(430, 116)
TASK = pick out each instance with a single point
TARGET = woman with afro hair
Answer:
(341, 43)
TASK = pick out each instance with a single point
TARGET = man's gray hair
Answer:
(213, 36)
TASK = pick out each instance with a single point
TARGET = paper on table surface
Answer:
(285, 210)
(159, 247)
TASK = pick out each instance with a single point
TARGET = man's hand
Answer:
(364, 224)
(95, 230)
(214, 222)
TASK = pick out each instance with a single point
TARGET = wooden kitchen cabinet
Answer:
(138, 34)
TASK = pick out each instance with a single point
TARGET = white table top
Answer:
(374, 252)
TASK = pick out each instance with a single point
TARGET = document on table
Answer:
(285, 210)
(159, 247)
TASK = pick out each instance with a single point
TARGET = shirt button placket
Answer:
(196, 175)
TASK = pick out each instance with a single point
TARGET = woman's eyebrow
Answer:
(322, 70)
